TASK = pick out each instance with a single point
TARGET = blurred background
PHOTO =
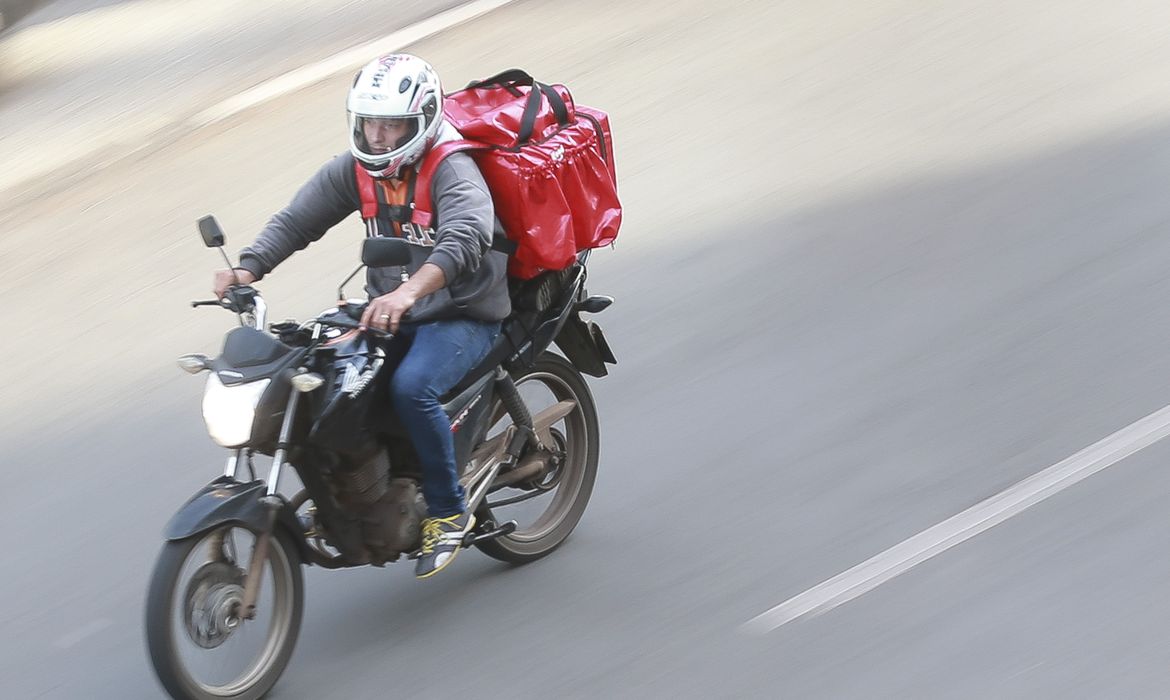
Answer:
(880, 262)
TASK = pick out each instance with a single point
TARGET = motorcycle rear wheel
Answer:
(185, 612)
(551, 379)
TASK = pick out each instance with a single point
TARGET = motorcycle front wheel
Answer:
(200, 646)
(548, 510)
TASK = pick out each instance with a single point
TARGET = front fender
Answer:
(224, 501)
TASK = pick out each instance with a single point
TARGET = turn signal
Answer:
(595, 304)
(307, 382)
(194, 364)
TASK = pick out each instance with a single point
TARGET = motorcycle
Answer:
(224, 604)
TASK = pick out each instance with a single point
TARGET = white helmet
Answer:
(393, 88)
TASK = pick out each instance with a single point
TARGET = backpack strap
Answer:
(372, 204)
(401, 213)
(423, 207)
(366, 191)
(423, 215)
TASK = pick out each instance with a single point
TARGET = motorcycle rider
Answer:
(447, 314)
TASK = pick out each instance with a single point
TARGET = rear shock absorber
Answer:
(518, 411)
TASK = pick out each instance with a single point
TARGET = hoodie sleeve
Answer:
(321, 203)
(465, 217)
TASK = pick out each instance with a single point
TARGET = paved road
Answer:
(879, 264)
(100, 78)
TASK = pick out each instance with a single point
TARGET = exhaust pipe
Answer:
(531, 468)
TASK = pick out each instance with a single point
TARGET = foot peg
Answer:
(478, 535)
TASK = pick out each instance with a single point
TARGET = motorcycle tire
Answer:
(580, 442)
(283, 588)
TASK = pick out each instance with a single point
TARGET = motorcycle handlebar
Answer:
(355, 312)
(239, 298)
(349, 321)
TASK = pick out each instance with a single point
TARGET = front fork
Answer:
(272, 502)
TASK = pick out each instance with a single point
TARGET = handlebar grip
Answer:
(355, 325)
(209, 302)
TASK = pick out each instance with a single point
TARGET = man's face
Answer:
(382, 135)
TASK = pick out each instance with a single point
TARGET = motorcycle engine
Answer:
(363, 485)
(392, 525)
(391, 509)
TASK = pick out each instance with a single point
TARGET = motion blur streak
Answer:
(101, 81)
(881, 261)
(346, 60)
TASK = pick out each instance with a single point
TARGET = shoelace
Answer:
(432, 532)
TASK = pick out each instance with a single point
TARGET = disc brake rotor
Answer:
(212, 603)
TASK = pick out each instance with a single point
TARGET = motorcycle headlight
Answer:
(228, 411)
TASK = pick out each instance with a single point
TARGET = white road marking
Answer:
(350, 59)
(81, 633)
(105, 151)
(984, 515)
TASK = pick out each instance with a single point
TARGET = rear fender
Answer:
(585, 346)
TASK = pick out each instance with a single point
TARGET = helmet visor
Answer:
(380, 136)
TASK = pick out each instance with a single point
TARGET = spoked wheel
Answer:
(547, 509)
(199, 644)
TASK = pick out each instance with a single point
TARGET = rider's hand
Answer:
(386, 311)
(226, 278)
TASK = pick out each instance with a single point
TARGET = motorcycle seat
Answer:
(532, 300)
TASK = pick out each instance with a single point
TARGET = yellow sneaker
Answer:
(442, 538)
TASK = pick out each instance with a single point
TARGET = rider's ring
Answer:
(384, 316)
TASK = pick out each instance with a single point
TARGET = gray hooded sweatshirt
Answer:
(459, 244)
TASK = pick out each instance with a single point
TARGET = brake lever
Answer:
(238, 297)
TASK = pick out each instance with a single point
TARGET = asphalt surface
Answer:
(879, 264)
(89, 80)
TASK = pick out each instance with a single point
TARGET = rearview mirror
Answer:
(212, 234)
(385, 252)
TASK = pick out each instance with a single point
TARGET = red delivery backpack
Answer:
(547, 161)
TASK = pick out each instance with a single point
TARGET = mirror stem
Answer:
(341, 288)
(228, 260)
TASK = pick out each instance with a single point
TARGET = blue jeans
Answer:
(438, 355)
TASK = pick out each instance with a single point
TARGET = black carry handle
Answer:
(528, 120)
(509, 80)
